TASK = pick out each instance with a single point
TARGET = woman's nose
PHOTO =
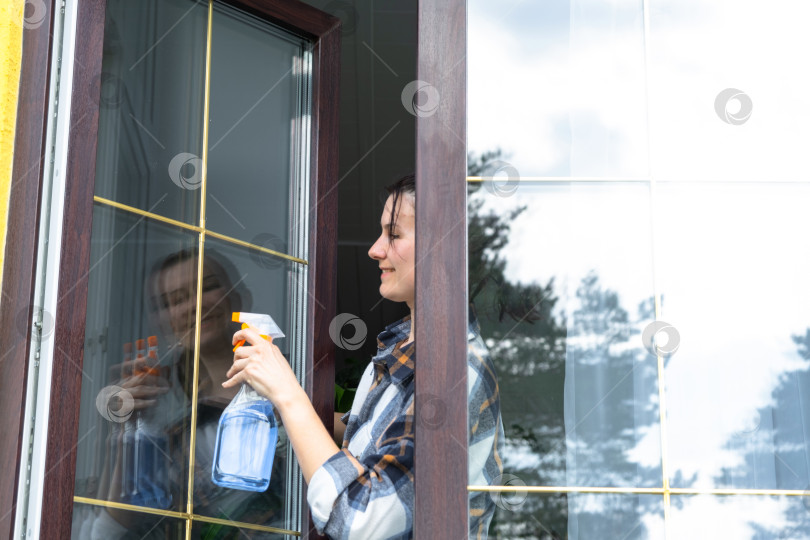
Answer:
(376, 250)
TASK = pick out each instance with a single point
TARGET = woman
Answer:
(365, 489)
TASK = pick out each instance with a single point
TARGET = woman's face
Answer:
(394, 251)
(178, 287)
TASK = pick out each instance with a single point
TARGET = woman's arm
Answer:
(263, 367)
(340, 429)
(348, 496)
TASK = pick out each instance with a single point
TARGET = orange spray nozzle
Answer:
(242, 341)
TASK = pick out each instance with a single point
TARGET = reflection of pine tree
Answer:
(779, 442)
(616, 391)
(529, 345)
(803, 344)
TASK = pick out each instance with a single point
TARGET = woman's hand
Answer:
(263, 367)
(144, 382)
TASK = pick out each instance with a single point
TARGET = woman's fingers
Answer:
(261, 364)
(146, 392)
(237, 373)
(143, 403)
(238, 365)
(244, 351)
(248, 334)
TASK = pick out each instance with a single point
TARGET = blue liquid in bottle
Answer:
(246, 443)
(151, 478)
(128, 483)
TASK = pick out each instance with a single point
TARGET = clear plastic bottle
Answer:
(129, 484)
(116, 440)
(151, 448)
(246, 443)
(247, 431)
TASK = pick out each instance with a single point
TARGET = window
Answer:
(637, 174)
(215, 145)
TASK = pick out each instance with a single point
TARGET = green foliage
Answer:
(346, 380)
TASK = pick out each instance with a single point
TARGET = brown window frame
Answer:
(441, 503)
(19, 262)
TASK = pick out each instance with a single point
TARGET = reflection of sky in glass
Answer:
(580, 88)
(568, 230)
(561, 87)
(697, 49)
(758, 518)
(578, 516)
(732, 267)
(594, 404)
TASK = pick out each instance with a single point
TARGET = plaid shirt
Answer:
(366, 490)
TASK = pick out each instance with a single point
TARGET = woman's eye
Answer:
(210, 284)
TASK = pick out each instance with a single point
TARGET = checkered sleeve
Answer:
(350, 497)
(485, 433)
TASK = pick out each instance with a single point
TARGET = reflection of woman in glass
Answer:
(365, 489)
(165, 395)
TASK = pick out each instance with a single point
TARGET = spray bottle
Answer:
(247, 432)
(151, 445)
(129, 483)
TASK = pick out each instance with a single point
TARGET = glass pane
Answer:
(134, 417)
(561, 280)
(735, 289)
(214, 531)
(235, 279)
(96, 522)
(561, 303)
(151, 106)
(723, 106)
(577, 516)
(559, 86)
(254, 145)
(742, 517)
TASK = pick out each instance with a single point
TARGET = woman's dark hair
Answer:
(404, 186)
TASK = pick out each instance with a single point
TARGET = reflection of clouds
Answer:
(568, 230)
(730, 517)
(596, 515)
(560, 101)
(561, 86)
(690, 62)
(733, 285)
